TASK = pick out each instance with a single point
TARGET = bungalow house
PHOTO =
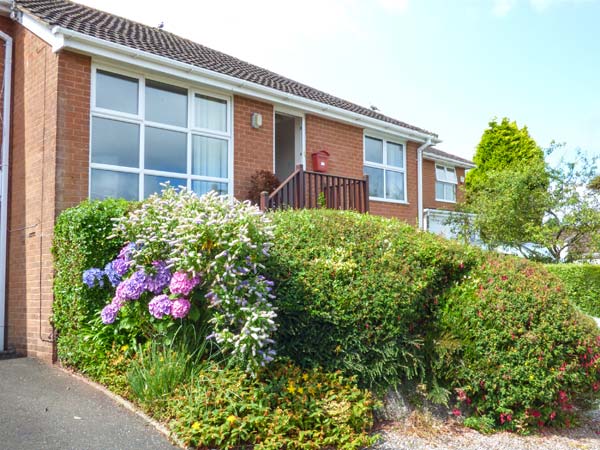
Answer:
(95, 105)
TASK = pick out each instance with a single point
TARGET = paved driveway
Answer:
(43, 408)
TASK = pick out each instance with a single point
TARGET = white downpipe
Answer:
(4, 176)
(420, 150)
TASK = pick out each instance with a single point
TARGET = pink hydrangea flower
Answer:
(183, 283)
(160, 306)
(180, 308)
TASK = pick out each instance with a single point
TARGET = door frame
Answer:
(293, 113)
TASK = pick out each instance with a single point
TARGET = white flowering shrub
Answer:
(187, 254)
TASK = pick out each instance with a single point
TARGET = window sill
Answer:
(388, 200)
(452, 202)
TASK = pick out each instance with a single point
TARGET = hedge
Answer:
(514, 349)
(80, 242)
(356, 292)
(582, 282)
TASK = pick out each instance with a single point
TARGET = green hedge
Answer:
(514, 349)
(355, 292)
(582, 282)
(80, 242)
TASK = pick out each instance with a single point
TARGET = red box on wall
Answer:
(320, 161)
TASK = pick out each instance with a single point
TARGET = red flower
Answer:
(504, 278)
(456, 412)
(552, 415)
(534, 413)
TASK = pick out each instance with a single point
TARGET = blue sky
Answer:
(445, 65)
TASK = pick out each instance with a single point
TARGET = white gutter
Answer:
(69, 39)
(420, 150)
(4, 175)
(444, 159)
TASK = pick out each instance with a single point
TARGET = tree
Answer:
(503, 146)
(544, 212)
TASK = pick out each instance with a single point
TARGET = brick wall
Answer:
(429, 200)
(253, 147)
(343, 142)
(48, 173)
(32, 195)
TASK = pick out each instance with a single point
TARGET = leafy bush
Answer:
(283, 408)
(582, 282)
(188, 255)
(262, 181)
(356, 292)
(80, 241)
(514, 349)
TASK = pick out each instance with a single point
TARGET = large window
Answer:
(385, 163)
(145, 132)
(445, 183)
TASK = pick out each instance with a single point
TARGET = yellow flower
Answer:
(531, 377)
(231, 419)
(291, 388)
(305, 376)
(300, 390)
(196, 426)
(125, 348)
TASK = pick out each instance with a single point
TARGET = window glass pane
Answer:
(209, 157)
(440, 173)
(395, 155)
(202, 187)
(166, 103)
(394, 185)
(374, 150)
(108, 183)
(115, 142)
(210, 113)
(152, 184)
(450, 192)
(165, 150)
(439, 190)
(116, 92)
(451, 175)
(375, 181)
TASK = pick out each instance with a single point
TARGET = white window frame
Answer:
(446, 168)
(140, 120)
(385, 166)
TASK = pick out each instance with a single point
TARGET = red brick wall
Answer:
(429, 200)
(32, 195)
(343, 142)
(72, 145)
(253, 147)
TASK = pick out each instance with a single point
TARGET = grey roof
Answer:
(437, 152)
(118, 30)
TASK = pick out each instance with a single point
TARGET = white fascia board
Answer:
(446, 160)
(80, 42)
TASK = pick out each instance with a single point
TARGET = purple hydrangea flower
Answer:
(160, 306)
(132, 287)
(109, 314)
(112, 274)
(180, 308)
(182, 283)
(120, 266)
(126, 251)
(93, 276)
(157, 283)
(117, 302)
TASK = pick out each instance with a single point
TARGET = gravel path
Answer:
(424, 432)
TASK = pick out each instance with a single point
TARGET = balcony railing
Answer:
(305, 189)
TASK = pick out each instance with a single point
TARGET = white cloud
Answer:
(395, 6)
(502, 7)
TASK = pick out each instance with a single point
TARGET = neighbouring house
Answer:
(95, 105)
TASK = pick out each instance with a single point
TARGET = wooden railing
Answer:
(305, 189)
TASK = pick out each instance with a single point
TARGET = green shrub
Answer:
(283, 408)
(355, 292)
(80, 242)
(582, 282)
(514, 349)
